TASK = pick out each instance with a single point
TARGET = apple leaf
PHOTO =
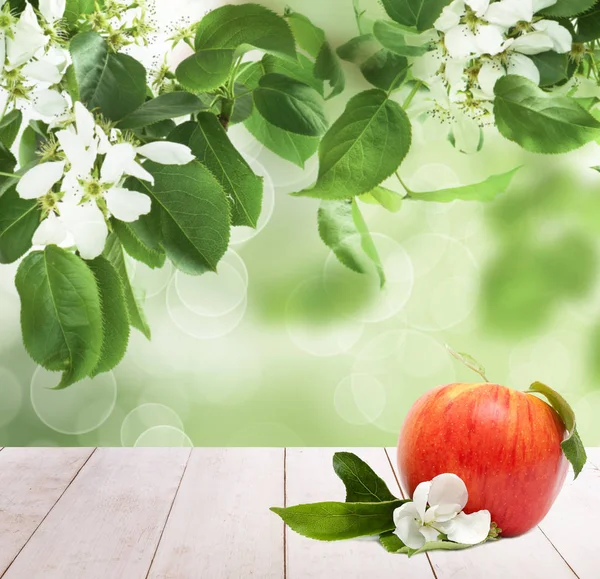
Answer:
(391, 542)
(468, 361)
(361, 482)
(572, 446)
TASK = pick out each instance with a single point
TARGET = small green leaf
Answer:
(553, 67)
(243, 105)
(393, 37)
(362, 148)
(392, 543)
(338, 521)
(166, 106)
(539, 122)
(74, 9)
(308, 36)
(359, 49)
(114, 84)
(568, 8)
(113, 251)
(368, 244)
(7, 165)
(468, 361)
(248, 24)
(115, 319)
(361, 482)
(206, 70)
(195, 217)
(385, 70)
(438, 546)
(418, 13)
(19, 219)
(301, 70)
(290, 105)
(385, 197)
(588, 25)
(61, 317)
(572, 446)
(487, 190)
(210, 144)
(329, 69)
(9, 127)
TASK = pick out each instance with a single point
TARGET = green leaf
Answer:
(385, 70)
(438, 546)
(588, 25)
(210, 144)
(368, 244)
(572, 446)
(553, 67)
(290, 105)
(19, 218)
(338, 521)
(9, 127)
(113, 251)
(329, 69)
(359, 49)
(385, 197)
(74, 9)
(243, 105)
(115, 319)
(61, 317)
(539, 122)
(391, 542)
(418, 13)
(156, 132)
(468, 361)
(206, 70)
(7, 165)
(308, 36)
(362, 148)
(294, 148)
(166, 106)
(249, 24)
(568, 8)
(361, 482)
(195, 216)
(487, 190)
(301, 70)
(142, 238)
(393, 37)
(115, 84)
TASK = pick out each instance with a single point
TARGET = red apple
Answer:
(504, 444)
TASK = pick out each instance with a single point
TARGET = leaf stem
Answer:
(13, 175)
(358, 14)
(409, 192)
(412, 94)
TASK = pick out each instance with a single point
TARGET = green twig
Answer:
(358, 13)
(412, 94)
(13, 175)
(409, 192)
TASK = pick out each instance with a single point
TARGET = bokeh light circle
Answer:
(164, 436)
(360, 296)
(288, 177)
(11, 396)
(145, 417)
(151, 282)
(78, 409)
(360, 399)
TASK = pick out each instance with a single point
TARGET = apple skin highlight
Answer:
(504, 444)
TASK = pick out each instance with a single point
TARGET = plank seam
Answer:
(285, 554)
(49, 511)
(561, 555)
(404, 497)
(162, 531)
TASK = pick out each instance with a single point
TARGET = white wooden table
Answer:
(79, 513)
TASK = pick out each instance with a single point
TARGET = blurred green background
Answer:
(286, 348)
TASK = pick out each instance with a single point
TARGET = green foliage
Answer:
(7, 165)
(329, 69)
(9, 127)
(391, 542)
(290, 105)
(308, 36)
(19, 218)
(206, 70)
(588, 25)
(539, 122)
(302, 70)
(209, 142)
(355, 153)
(61, 316)
(393, 37)
(114, 84)
(553, 67)
(164, 107)
(568, 8)
(74, 9)
(420, 14)
(388, 199)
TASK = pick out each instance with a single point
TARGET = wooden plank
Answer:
(31, 482)
(108, 523)
(220, 526)
(571, 524)
(530, 555)
(310, 478)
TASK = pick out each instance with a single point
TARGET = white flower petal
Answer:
(532, 43)
(478, 6)
(42, 71)
(407, 510)
(408, 531)
(522, 65)
(450, 16)
(72, 189)
(103, 142)
(541, 4)
(460, 42)
(166, 153)
(489, 40)
(508, 12)
(127, 205)
(52, 10)
(466, 131)
(488, 76)
(420, 498)
(134, 169)
(81, 158)
(50, 103)
(429, 533)
(448, 490)
(50, 232)
(27, 38)
(428, 66)
(116, 160)
(561, 38)
(455, 75)
(38, 181)
(87, 225)
(468, 529)
(86, 125)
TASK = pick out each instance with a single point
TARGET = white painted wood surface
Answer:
(310, 478)
(30, 485)
(108, 522)
(178, 514)
(220, 526)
